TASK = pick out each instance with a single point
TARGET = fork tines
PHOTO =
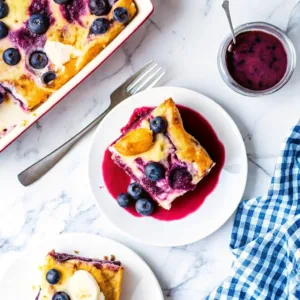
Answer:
(146, 78)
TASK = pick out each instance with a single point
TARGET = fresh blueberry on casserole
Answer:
(61, 296)
(38, 60)
(11, 56)
(53, 276)
(38, 23)
(99, 7)
(155, 171)
(3, 30)
(100, 26)
(158, 125)
(48, 77)
(3, 9)
(121, 14)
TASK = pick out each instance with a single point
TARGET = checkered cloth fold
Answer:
(265, 238)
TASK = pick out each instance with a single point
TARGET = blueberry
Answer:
(100, 26)
(53, 276)
(60, 296)
(121, 14)
(38, 23)
(38, 60)
(3, 10)
(158, 125)
(61, 1)
(155, 171)
(181, 179)
(48, 77)
(99, 7)
(135, 190)
(3, 30)
(144, 207)
(1, 98)
(124, 200)
(11, 56)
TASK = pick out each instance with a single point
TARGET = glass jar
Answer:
(267, 28)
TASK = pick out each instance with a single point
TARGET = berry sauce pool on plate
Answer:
(258, 60)
(191, 201)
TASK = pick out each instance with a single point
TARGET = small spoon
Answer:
(225, 5)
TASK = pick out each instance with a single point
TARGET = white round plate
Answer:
(139, 281)
(218, 206)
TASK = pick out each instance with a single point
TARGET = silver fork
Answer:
(146, 78)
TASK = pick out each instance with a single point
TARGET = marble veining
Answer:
(184, 37)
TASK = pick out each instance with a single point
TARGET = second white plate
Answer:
(218, 206)
(139, 281)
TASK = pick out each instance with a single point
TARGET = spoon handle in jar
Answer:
(225, 5)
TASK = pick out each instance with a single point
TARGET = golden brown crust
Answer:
(175, 144)
(135, 142)
(73, 34)
(188, 149)
(109, 281)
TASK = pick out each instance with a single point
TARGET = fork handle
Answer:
(40, 168)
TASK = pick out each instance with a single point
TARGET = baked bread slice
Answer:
(108, 274)
(184, 160)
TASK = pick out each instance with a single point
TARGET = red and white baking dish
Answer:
(145, 9)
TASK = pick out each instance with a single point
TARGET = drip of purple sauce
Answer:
(23, 37)
(258, 60)
(136, 118)
(63, 257)
(38, 295)
(27, 40)
(73, 11)
(41, 7)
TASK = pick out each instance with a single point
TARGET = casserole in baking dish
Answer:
(50, 46)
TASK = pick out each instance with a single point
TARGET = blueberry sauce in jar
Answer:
(258, 60)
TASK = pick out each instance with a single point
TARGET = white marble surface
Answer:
(183, 36)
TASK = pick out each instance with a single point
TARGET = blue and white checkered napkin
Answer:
(266, 236)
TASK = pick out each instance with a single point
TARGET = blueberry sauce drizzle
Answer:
(8, 91)
(97, 263)
(38, 295)
(136, 117)
(27, 40)
(74, 10)
(38, 7)
(23, 37)
(190, 202)
(41, 7)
